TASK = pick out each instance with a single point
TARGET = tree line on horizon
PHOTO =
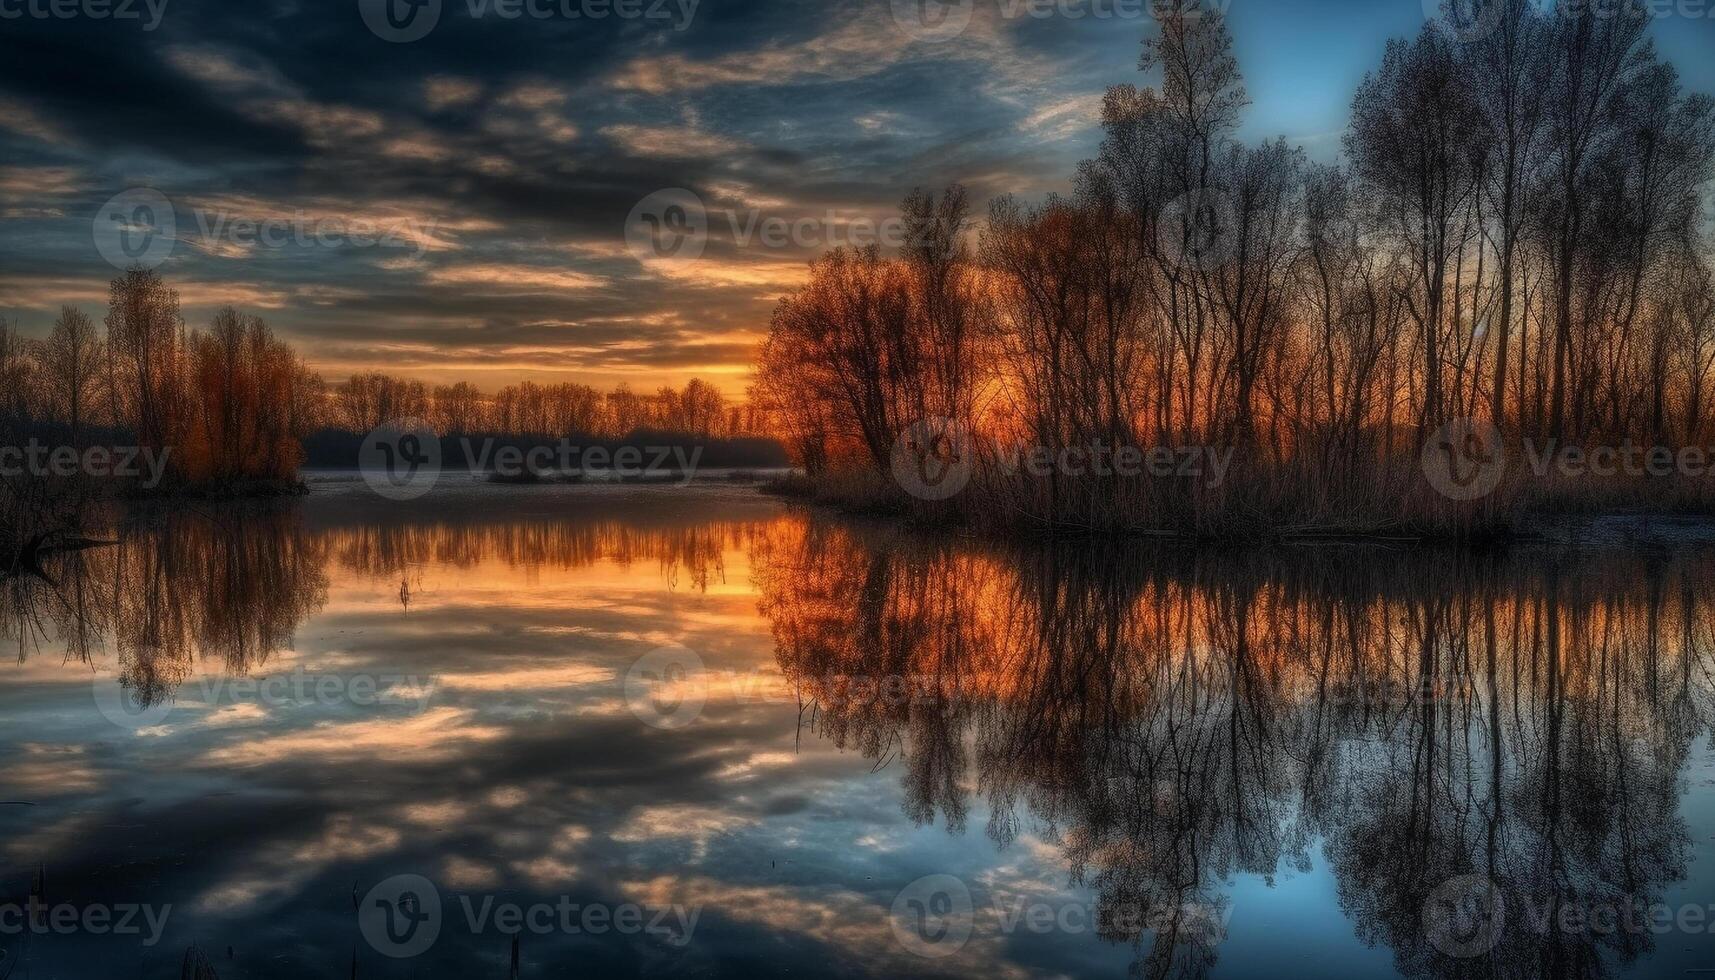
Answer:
(1513, 234)
(233, 403)
(536, 411)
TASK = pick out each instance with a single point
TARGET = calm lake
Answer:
(692, 731)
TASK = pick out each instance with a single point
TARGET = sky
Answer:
(487, 202)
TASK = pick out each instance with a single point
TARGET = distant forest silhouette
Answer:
(235, 403)
(1512, 235)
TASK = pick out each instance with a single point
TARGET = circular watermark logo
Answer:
(1465, 459)
(667, 687)
(401, 917)
(137, 227)
(933, 20)
(668, 224)
(400, 21)
(119, 704)
(1465, 916)
(1467, 20)
(1199, 229)
(934, 459)
(401, 460)
(933, 916)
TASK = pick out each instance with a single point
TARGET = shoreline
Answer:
(1632, 529)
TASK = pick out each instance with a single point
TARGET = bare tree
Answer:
(1597, 49)
(15, 374)
(71, 369)
(1509, 70)
(1414, 140)
(146, 344)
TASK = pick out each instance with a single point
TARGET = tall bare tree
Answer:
(71, 363)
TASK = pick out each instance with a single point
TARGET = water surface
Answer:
(762, 741)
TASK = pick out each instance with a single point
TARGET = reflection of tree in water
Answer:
(1171, 723)
(1548, 766)
(235, 582)
(230, 583)
(62, 601)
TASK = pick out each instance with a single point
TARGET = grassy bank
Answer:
(1256, 506)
